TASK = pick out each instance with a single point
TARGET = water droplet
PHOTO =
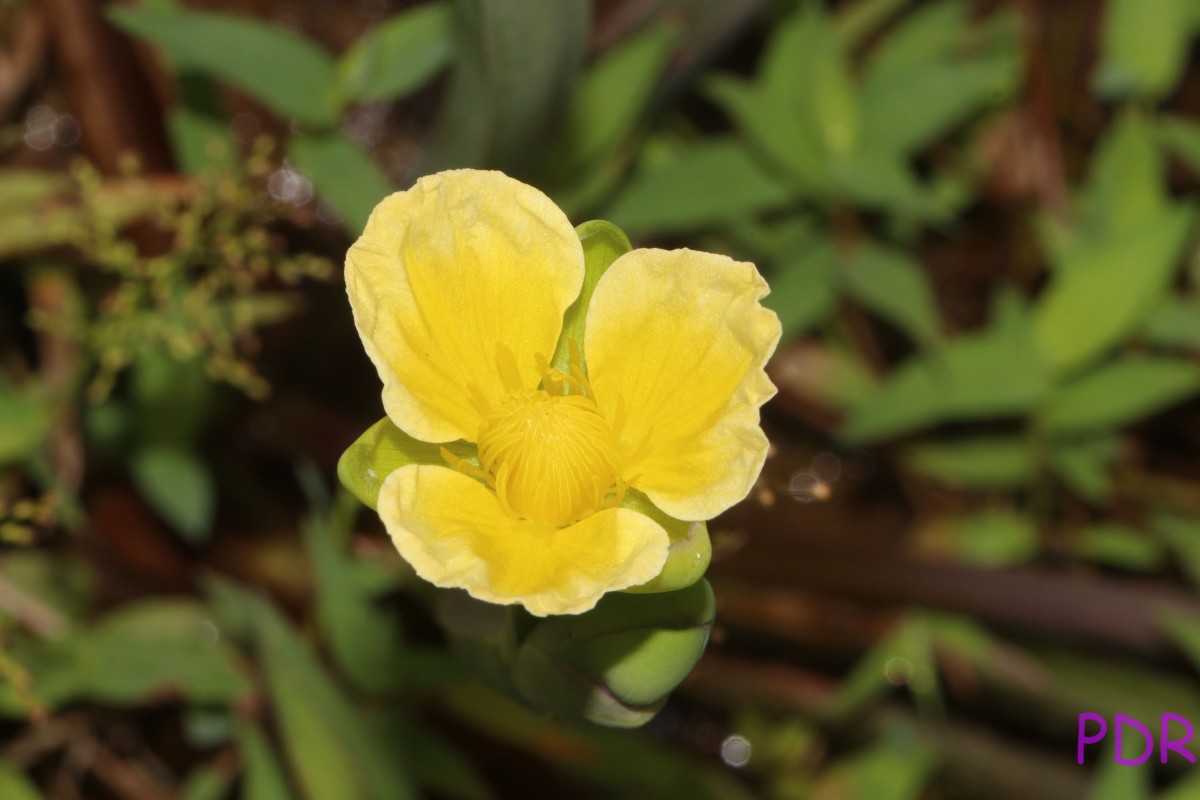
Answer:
(735, 751)
(898, 671)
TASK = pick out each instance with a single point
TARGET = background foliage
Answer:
(981, 515)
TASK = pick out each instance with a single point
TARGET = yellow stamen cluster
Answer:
(549, 453)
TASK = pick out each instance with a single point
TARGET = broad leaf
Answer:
(398, 55)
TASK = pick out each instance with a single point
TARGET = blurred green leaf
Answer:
(200, 136)
(1176, 323)
(773, 129)
(327, 745)
(285, 72)
(924, 79)
(997, 538)
(1108, 288)
(1117, 545)
(1085, 464)
(804, 290)
(1125, 188)
(157, 648)
(1115, 781)
(891, 285)
(179, 486)
(363, 637)
(1184, 628)
(382, 449)
(994, 462)
(805, 71)
(993, 373)
(904, 657)
(991, 538)
(1182, 535)
(398, 55)
(24, 420)
(14, 785)
(206, 782)
(515, 67)
(703, 184)
(1181, 136)
(263, 776)
(1120, 393)
(610, 98)
(1186, 788)
(343, 175)
(897, 769)
(442, 768)
(172, 399)
(1145, 45)
(834, 374)
(1083, 682)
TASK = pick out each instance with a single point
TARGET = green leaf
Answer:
(603, 243)
(326, 742)
(704, 184)
(1186, 788)
(610, 99)
(179, 486)
(1176, 323)
(1120, 393)
(398, 55)
(979, 463)
(805, 71)
(1108, 288)
(440, 767)
(1086, 464)
(1126, 183)
(24, 421)
(1181, 136)
(1145, 45)
(1119, 546)
(285, 72)
(382, 449)
(993, 373)
(200, 137)
(14, 785)
(888, 283)
(997, 539)
(515, 67)
(1182, 535)
(158, 648)
(898, 769)
(804, 290)
(363, 637)
(1184, 628)
(1116, 781)
(922, 82)
(773, 130)
(206, 782)
(344, 176)
(264, 778)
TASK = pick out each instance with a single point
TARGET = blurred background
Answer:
(981, 512)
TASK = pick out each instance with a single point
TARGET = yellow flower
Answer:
(459, 288)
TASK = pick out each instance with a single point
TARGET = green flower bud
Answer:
(616, 664)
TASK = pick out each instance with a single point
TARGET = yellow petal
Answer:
(675, 343)
(445, 274)
(452, 530)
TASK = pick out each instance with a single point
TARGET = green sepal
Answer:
(603, 243)
(616, 664)
(382, 449)
(688, 556)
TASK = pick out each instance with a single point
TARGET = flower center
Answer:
(550, 457)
